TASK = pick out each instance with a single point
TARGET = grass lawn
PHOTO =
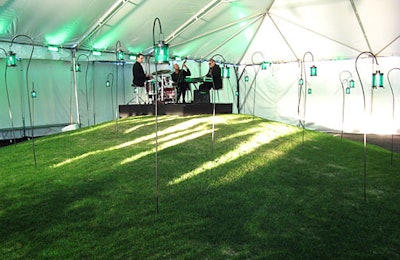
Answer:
(253, 190)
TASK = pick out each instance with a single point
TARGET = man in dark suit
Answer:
(214, 72)
(139, 77)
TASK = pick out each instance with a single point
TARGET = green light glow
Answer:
(52, 48)
(107, 39)
(96, 53)
(62, 35)
(6, 19)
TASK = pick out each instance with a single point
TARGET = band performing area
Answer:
(197, 102)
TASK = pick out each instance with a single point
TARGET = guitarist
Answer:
(178, 78)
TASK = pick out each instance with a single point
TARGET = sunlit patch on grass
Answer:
(167, 132)
(260, 137)
(91, 153)
(136, 127)
(175, 141)
(147, 122)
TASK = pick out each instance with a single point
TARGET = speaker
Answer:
(201, 96)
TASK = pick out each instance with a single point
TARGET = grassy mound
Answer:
(249, 189)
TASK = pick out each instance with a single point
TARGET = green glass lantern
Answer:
(33, 94)
(348, 90)
(301, 82)
(161, 53)
(120, 55)
(309, 91)
(246, 78)
(374, 80)
(77, 67)
(380, 79)
(11, 59)
(351, 83)
(313, 71)
(226, 72)
(265, 65)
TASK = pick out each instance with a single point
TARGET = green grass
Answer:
(256, 192)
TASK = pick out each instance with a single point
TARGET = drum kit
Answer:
(165, 90)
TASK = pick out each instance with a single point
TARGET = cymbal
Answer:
(159, 72)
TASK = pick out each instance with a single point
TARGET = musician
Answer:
(139, 77)
(214, 72)
(178, 78)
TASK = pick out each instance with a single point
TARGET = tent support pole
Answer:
(78, 120)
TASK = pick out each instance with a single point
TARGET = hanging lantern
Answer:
(374, 80)
(120, 55)
(33, 94)
(309, 91)
(351, 83)
(161, 52)
(77, 67)
(380, 79)
(313, 71)
(246, 78)
(226, 72)
(301, 82)
(11, 59)
(348, 90)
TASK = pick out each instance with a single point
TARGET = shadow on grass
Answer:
(278, 199)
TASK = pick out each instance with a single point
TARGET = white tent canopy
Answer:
(288, 33)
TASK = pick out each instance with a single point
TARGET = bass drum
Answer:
(169, 94)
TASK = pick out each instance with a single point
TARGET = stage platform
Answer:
(174, 109)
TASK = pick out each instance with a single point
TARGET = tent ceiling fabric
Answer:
(282, 30)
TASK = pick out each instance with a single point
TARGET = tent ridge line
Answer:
(233, 36)
(218, 29)
(252, 38)
(317, 33)
(102, 21)
(387, 45)
(283, 36)
(353, 5)
(192, 20)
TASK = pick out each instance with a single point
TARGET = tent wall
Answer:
(277, 96)
(55, 105)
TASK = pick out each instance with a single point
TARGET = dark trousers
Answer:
(181, 91)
